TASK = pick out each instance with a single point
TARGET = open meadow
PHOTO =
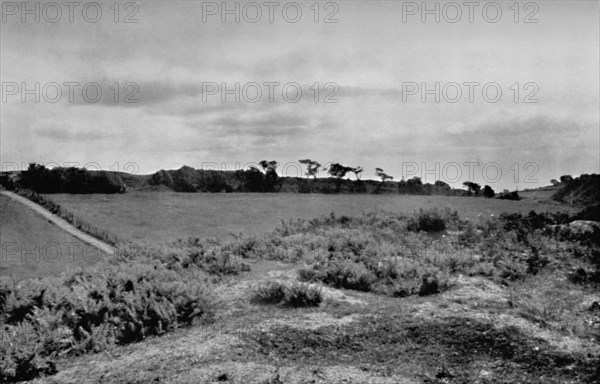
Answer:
(156, 218)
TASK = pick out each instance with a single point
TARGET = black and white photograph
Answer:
(300, 192)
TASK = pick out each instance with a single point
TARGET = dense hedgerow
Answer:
(69, 180)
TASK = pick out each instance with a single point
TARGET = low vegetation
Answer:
(152, 291)
(90, 311)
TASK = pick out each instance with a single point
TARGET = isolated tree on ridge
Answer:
(338, 171)
(357, 171)
(312, 167)
(384, 176)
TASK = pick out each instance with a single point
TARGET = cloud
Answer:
(68, 133)
(263, 126)
(518, 133)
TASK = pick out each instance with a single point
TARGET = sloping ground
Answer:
(473, 333)
(32, 246)
(168, 216)
(541, 195)
(583, 190)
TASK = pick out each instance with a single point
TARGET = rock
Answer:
(584, 226)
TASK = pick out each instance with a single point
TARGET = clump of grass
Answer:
(302, 295)
(290, 295)
(270, 293)
(340, 274)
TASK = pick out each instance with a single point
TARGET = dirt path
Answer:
(61, 223)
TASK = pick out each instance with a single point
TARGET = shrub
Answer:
(271, 293)
(509, 196)
(428, 221)
(212, 259)
(90, 311)
(302, 295)
(431, 284)
(341, 274)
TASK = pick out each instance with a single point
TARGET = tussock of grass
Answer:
(288, 294)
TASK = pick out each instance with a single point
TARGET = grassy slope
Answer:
(168, 216)
(23, 230)
(543, 194)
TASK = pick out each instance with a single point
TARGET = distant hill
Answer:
(188, 179)
(580, 191)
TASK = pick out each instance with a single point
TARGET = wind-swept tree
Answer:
(357, 171)
(338, 171)
(312, 167)
(384, 176)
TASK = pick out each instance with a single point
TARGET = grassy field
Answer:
(157, 217)
(33, 247)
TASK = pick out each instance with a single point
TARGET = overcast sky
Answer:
(371, 56)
